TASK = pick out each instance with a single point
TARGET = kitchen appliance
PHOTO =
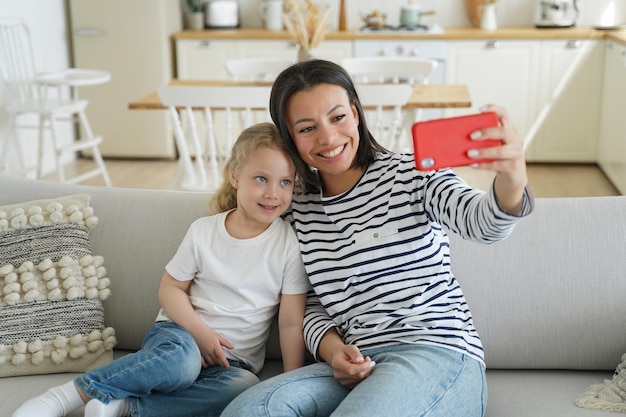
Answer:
(222, 14)
(556, 13)
(390, 29)
(411, 15)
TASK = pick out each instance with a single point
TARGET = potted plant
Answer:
(195, 14)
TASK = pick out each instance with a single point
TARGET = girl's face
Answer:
(264, 187)
(324, 126)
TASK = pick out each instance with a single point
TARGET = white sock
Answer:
(116, 408)
(56, 402)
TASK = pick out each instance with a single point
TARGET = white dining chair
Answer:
(383, 104)
(395, 70)
(206, 124)
(412, 70)
(256, 69)
(53, 97)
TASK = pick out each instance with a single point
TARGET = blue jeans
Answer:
(166, 378)
(407, 380)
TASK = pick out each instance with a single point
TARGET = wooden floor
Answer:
(546, 180)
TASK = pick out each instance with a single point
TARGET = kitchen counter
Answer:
(617, 36)
(448, 34)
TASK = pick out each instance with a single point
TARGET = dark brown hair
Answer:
(307, 75)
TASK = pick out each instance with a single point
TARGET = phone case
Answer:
(443, 143)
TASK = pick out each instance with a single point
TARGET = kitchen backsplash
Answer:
(451, 13)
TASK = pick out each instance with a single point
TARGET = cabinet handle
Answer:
(492, 45)
(205, 44)
(573, 44)
(89, 32)
(292, 44)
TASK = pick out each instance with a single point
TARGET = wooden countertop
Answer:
(464, 33)
(617, 36)
(424, 95)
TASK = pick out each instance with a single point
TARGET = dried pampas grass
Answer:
(306, 22)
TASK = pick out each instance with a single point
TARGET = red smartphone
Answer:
(443, 143)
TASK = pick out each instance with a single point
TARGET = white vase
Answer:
(488, 19)
(304, 54)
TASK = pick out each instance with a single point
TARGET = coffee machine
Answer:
(556, 13)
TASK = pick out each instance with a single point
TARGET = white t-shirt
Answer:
(237, 283)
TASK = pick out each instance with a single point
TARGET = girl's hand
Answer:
(211, 344)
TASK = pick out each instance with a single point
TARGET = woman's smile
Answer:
(333, 153)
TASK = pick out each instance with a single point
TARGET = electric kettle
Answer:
(556, 13)
(221, 14)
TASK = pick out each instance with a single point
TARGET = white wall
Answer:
(46, 20)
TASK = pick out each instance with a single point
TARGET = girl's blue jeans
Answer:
(166, 378)
(407, 380)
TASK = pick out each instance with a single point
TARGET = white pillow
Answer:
(51, 289)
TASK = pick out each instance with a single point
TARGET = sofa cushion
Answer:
(540, 393)
(51, 289)
(555, 286)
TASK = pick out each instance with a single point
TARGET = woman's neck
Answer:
(333, 185)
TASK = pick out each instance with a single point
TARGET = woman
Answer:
(386, 319)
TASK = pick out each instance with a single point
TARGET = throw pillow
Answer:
(51, 289)
(608, 396)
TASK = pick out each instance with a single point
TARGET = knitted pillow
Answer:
(609, 395)
(51, 289)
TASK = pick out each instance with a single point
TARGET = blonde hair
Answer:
(254, 137)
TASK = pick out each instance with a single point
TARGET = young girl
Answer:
(218, 295)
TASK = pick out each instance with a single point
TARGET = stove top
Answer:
(432, 29)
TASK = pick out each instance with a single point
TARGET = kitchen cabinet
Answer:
(565, 126)
(331, 50)
(198, 59)
(551, 89)
(131, 41)
(502, 72)
(612, 141)
(205, 59)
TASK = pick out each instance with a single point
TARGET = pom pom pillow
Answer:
(51, 289)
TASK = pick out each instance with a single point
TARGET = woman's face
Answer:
(324, 126)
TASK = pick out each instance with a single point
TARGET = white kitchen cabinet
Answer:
(565, 127)
(612, 141)
(131, 41)
(332, 50)
(198, 59)
(205, 59)
(503, 72)
(551, 89)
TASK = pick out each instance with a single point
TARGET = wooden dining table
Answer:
(424, 95)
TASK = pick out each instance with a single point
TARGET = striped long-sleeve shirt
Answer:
(378, 257)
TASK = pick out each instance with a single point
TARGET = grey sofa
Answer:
(548, 301)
